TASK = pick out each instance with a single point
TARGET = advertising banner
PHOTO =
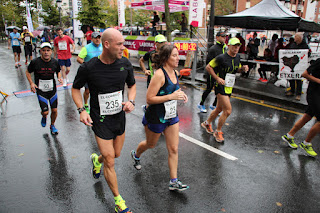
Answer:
(195, 13)
(121, 14)
(292, 63)
(29, 19)
(77, 5)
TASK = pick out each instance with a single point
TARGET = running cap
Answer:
(24, 27)
(234, 41)
(221, 33)
(45, 44)
(160, 38)
(95, 34)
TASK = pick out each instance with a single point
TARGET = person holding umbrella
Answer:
(14, 41)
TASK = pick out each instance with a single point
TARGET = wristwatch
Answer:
(133, 102)
(81, 110)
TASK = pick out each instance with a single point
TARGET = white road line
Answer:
(206, 146)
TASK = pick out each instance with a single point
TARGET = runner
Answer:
(62, 49)
(87, 52)
(27, 37)
(219, 48)
(161, 115)
(106, 77)
(313, 98)
(223, 69)
(44, 84)
(14, 39)
(159, 40)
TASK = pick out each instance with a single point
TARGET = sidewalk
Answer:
(249, 87)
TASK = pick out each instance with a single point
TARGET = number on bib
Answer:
(230, 80)
(171, 109)
(45, 85)
(110, 103)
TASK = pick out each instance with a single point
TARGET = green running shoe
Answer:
(290, 141)
(96, 166)
(308, 149)
(121, 207)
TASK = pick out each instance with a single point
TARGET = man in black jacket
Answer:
(296, 85)
(219, 48)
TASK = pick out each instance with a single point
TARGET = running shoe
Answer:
(308, 149)
(136, 161)
(260, 79)
(290, 141)
(53, 129)
(96, 166)
(202, 108)
(218, 136)
(144, 108)
(43, 121)
(212, 107)
(64, 82)
(208, 127)
(19, 64)
(16, 66)
(264, 80)
(26, 63)
(121, 207)
(177, 185)
(86, 106)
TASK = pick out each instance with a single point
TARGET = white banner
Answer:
(195, 13)
(77, 6)
(29, 19)
(121, 14)
(39, 8)
(292, 63)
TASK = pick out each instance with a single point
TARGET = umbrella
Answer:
(233, 31)
(43, 28)
(84, 28)
(12, 27)
(37, 33)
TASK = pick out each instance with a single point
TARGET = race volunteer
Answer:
(219, 48)
(223, 69)
(27, 37)
(62, 49)
(44, 84)
(312, 74)
(87, 52)
(106, 77)
(14, 40)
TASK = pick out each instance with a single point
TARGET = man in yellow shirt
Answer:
(26, 37)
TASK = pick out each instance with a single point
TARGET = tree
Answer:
(223, 7)
(92, 14)
(50, 13)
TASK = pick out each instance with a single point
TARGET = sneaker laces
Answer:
(121, 205)
(209, 127)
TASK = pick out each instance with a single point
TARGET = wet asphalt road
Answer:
(42, 173)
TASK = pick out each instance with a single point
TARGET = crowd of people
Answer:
(106, 113)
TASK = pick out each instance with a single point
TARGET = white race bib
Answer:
(171, 109)
(230, 80)
(27, 39)
(110, 103)
(45, 85)
(62, 45)
(15, 42)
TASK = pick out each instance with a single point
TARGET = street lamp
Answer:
(59, 6)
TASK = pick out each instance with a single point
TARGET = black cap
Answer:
(221, 33)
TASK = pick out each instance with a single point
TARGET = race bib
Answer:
(230, 80)
(15, 42)
(45, 85)
(171, 109)
(110, 103)
(27, 39)
(62, 45)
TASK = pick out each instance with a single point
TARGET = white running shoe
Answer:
(64, 82)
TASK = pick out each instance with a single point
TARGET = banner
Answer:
(121, 14)
(77, 32)
(29, 19)
(292, 63)
(39, 8)
(196, 13)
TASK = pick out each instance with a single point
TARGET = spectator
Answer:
(273, 43)
(254, 44)
(155, 22)
(290, 44)
(183, 22)
(163, 17)
(263, 41)
(279, 47)
(267, 55)
(88, 35)
(243, 43)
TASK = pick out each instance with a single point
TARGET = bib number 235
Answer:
(110, 103)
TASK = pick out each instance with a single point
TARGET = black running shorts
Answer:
(313, 108)
(46, 98)
(16, 49)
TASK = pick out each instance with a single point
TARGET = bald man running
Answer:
(106, 76)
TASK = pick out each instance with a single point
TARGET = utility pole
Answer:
(211, 27)
(167, 14)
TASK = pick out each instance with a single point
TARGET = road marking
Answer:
(267, 105)
(206, 146)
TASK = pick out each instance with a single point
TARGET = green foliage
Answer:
(50, 13)
(139, 17)
(223, 7)
(92, 14)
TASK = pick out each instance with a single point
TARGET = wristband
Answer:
(133, 102)
(81, 110)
